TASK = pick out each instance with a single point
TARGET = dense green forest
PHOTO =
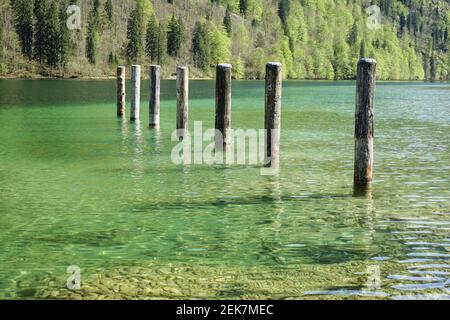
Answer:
(314, 39)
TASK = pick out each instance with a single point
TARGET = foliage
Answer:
(152, 39)
(23, 11)
(175, 36)
(134, 36)
(314, 39)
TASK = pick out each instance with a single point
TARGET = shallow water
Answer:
(79, 187)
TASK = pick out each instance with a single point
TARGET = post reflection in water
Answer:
(363, 191)
(156, 140)
(275, 196)
(123, 131)
(138, 172)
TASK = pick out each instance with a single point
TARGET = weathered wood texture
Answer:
(223, 105)
(155, 93)
(273, 113)
(135, 92)
(182, 99)
(121, 92)
(364, 124)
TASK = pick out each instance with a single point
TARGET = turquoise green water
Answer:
(79, 187)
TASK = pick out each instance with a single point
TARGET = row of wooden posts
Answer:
(364, 120)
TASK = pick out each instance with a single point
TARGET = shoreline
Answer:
(39, 77)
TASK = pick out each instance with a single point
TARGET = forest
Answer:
(313, 39)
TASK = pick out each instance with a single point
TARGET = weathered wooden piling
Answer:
(223, 106)
(155, 90)
(273, 114)
(121, 91)
(364, 129)
(182, 100)
(135, 92)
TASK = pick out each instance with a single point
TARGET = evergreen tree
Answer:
(23, 13)
(362, 51)
(260, 41)
(243, 6)
(134, 36)
(174, 36)
(1, 48)
(92, 33)
(283, 12)
(53, 45)
(91, 40)
(227, 22)
(1, 41)
(64, 37)
(40, 34)
(162, 41)
(152, 39)
(200, 46)
(96, 10)
(354, 34)
(109, 10)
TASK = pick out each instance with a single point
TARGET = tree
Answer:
(53, 44)
(92, 33)
(109, 10)
(152, 39)
(200, 46)
(238, 68)
(283, 12)
(23, 14)
(219, 44)
(227, 22)
(243, 6)
(145, 10)
(315, 39)
(362, 51)
(341, 61)
(162, 41)
(354, 34)
(260, 41)
(64, 37)
(112, 59)
(40, 32)
(174, 36)
(1, 48)
(134, 35)
(91, 41)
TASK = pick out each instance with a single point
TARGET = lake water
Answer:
(78, 187)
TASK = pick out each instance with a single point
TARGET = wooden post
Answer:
(135, 92)
(182, 100)
(155, 89)
(365, 92)
(223, 106)
(120, 91)
(273, 114)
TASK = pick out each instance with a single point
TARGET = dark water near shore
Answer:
(79, 187)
